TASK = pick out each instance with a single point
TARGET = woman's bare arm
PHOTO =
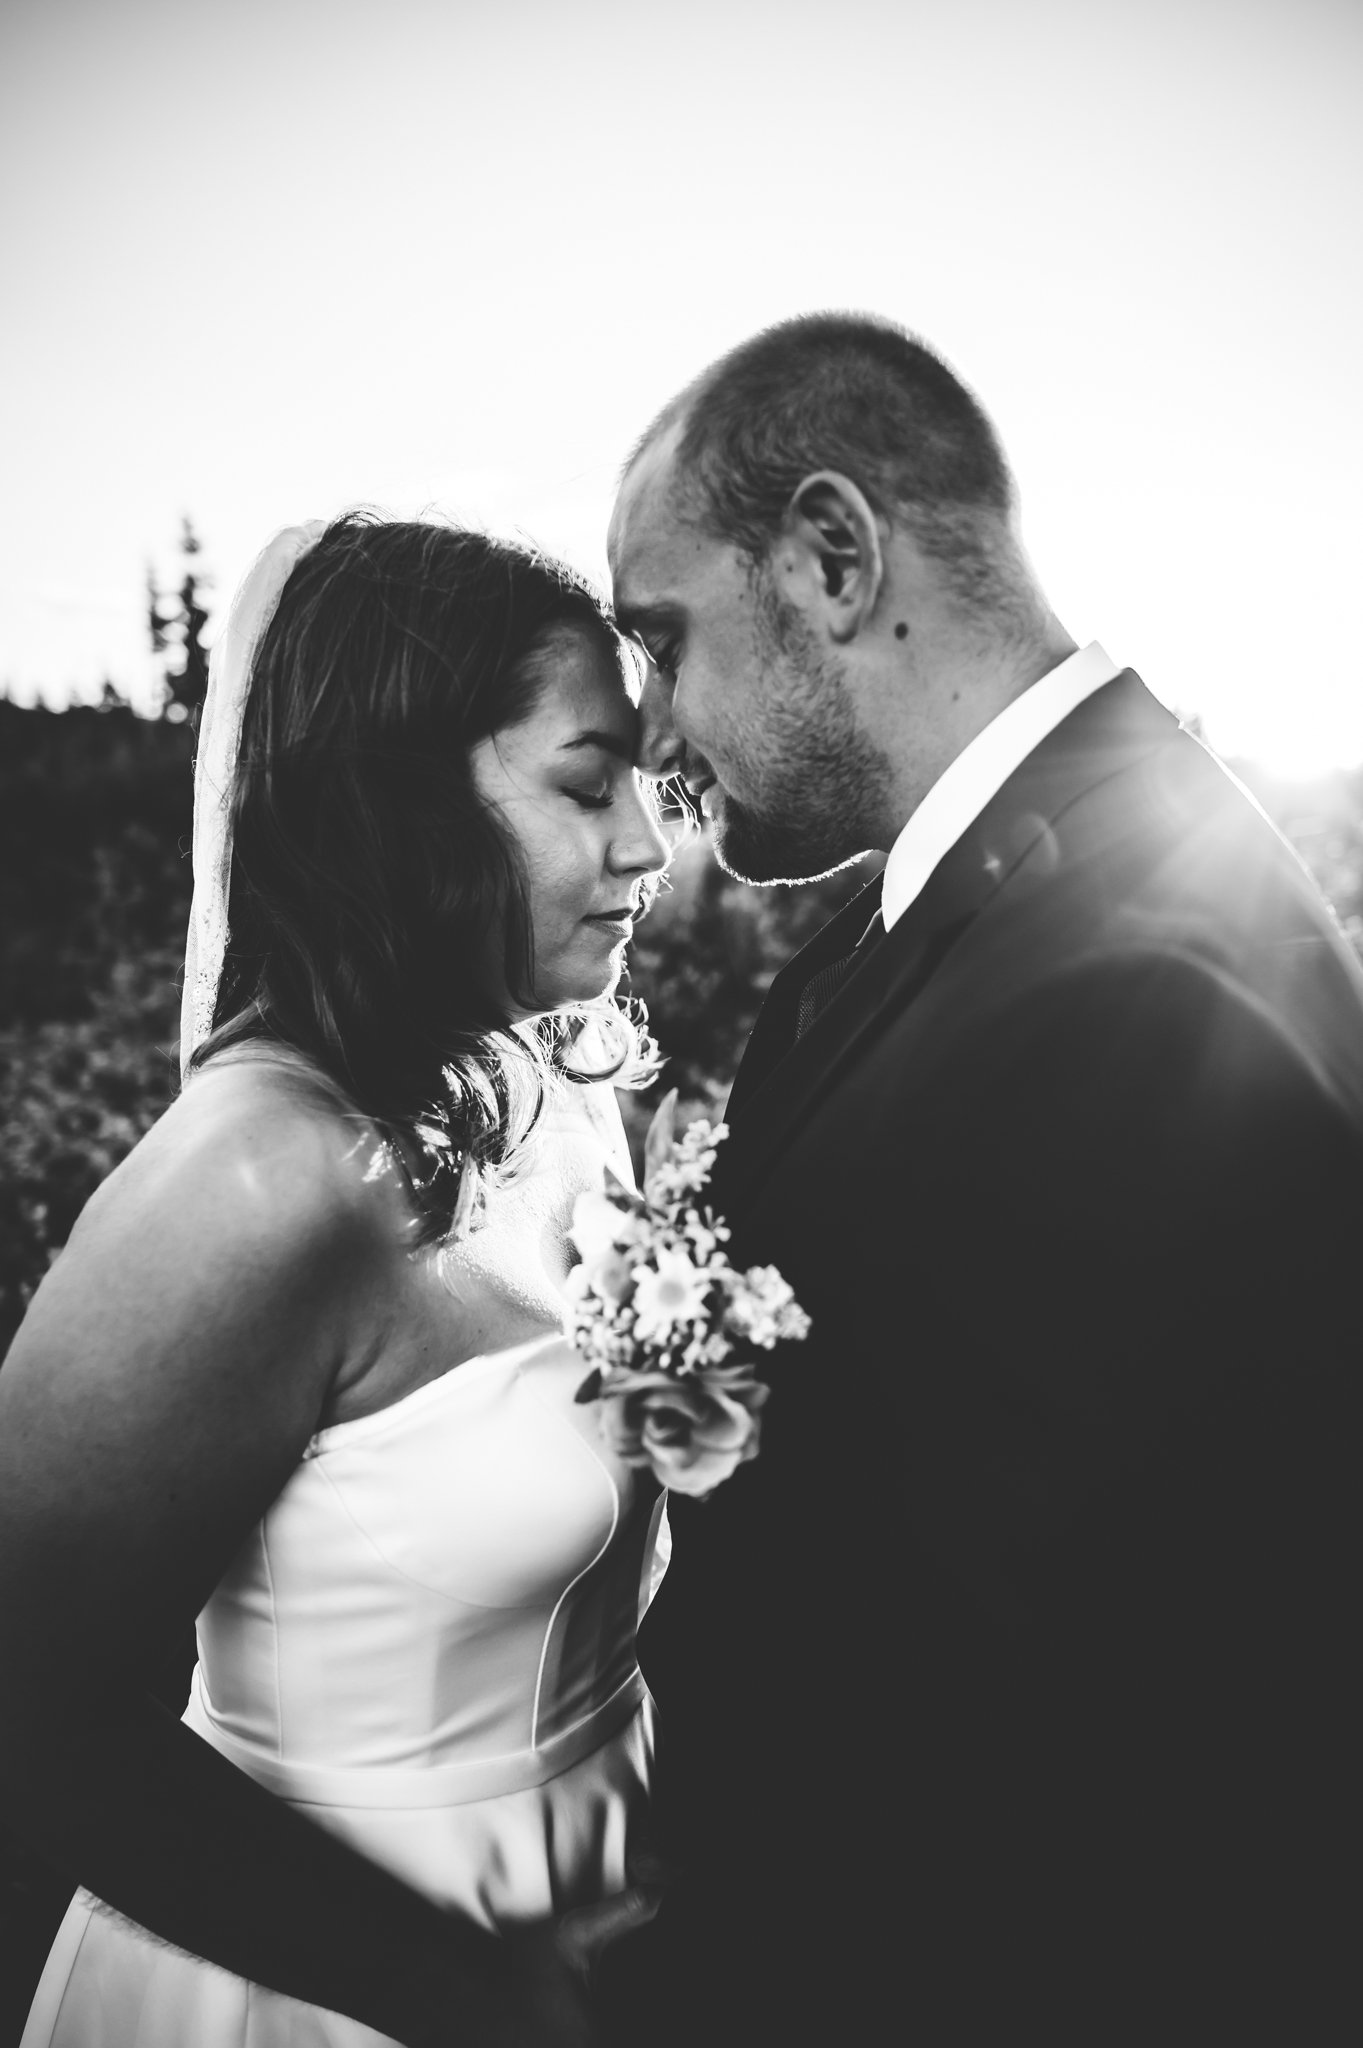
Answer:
(168, 1376)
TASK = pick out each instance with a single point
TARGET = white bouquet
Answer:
(667, 1323)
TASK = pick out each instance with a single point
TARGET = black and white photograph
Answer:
(681, 1023)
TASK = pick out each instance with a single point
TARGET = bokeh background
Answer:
(264, 259)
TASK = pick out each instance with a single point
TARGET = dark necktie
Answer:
(822, 986)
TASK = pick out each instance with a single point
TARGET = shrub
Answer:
(76, 1094)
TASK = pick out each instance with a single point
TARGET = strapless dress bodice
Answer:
(450, 1585)
(427, 1647)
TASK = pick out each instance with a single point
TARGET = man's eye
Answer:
(664, 658)
(590, 799)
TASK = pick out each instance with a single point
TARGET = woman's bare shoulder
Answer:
(263, 1158)
(245, 1260)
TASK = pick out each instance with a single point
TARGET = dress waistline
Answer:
(420, 1785)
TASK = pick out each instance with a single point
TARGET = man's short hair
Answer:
(853, 393)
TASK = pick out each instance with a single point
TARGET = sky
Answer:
(263, 259)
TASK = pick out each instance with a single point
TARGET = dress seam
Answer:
(590, 1566)
(274, 1640)
(421, 1585)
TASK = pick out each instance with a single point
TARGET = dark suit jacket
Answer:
(1008, 1693)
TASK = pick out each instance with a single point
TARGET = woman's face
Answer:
(566, 787)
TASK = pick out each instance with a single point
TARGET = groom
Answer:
(1007, 1695)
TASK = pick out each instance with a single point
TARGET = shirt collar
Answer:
(980, 770)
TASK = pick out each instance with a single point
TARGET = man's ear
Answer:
(836, 552)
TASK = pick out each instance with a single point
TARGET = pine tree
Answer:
(178, 633)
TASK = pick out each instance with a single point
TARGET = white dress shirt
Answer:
(978, 773)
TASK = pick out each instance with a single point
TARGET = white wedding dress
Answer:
(427, 1646)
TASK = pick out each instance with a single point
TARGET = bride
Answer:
(299, 1373)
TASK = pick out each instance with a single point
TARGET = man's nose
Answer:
(661, 749)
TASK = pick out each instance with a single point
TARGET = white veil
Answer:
(229, 675)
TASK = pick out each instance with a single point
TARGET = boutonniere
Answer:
(668, 1325)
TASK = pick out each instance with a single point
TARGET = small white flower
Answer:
(596, 1224)
(609, 1274)
(702, 1240)
(762, 1308)
(671, 1293)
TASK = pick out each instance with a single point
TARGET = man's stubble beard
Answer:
(818, 777)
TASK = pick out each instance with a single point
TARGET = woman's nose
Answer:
(640, 846)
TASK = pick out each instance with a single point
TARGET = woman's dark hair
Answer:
(371, 883)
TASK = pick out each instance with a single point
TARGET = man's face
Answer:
(740, 697)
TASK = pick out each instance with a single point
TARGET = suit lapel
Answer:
(1108, 733)
(774, 1032)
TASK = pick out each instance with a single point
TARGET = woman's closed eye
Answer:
(591, 799)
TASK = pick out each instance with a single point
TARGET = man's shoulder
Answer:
(1177, 861)
(1143, 881)
(1169, 855)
